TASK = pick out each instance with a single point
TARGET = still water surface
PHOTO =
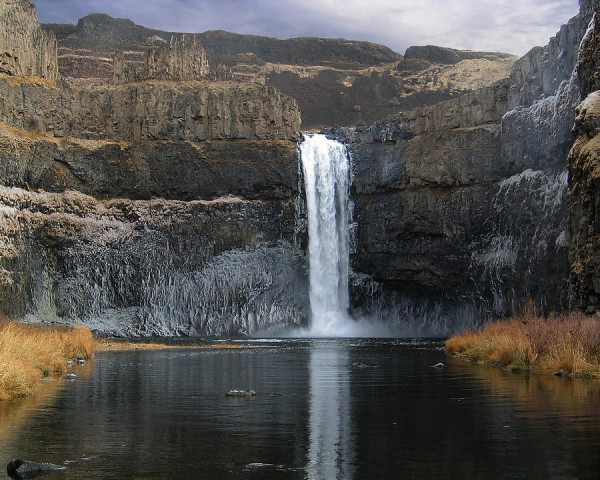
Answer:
(164, 414)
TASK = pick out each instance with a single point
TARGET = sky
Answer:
(512, 26)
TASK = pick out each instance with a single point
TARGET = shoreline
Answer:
(31, 353)
(565, 345)
(116, 345)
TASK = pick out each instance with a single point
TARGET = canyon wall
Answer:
(154, 207)
(149, 207)
(182, 59)
(584, 179)
(460, 207)
(152, 110)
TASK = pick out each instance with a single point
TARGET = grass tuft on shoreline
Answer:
(31, 352)
(568, 343)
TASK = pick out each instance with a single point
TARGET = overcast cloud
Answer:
(512, 26)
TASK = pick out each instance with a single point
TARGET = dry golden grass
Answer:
(16, 81)
(21, 133)
(529, 342)
(30, 352)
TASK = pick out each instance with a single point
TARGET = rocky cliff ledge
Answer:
(152, 110)
(149, 207)
(461, 206)
(181, 59)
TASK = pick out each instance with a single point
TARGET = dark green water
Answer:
(164, 414)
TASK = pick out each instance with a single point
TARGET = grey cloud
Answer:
(502, 25)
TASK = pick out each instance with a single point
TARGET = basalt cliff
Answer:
(584, 179)
(336, 82)
(461, 208)
(149, 182)
(125, 202)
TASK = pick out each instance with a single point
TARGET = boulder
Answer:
(241, 393)
(22, 469)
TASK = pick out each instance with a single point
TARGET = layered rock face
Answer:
(150, 207)
(25, 49)
(194, 111)
(584, 178)
(461, 207)
(335, 81)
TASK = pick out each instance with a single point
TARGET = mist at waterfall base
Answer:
(327, 176)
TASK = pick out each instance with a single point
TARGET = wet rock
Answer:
(362, 365)
(241, 393)
(21, 469)
(561, 373)
(70, 376)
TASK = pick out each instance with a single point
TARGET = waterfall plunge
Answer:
(326, 179)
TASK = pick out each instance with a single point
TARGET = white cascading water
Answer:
(326, 171)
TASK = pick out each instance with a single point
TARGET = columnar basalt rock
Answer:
(25, 49)
(183, 59)
(336, 81)
(154, 206)
(584, 207)
(194, 111)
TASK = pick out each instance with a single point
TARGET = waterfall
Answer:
(326, 170)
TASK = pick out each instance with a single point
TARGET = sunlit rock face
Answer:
(153, 110)
(25, 49)
(461, 206)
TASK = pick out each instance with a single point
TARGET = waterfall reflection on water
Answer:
(331, 448)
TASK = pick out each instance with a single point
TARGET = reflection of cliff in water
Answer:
(539, 396)
(18, 415)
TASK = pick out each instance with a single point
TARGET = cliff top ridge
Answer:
(102, 33)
